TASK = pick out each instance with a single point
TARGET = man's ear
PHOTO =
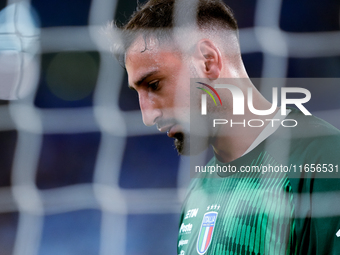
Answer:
(209, 58)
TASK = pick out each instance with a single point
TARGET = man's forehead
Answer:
(141, 43)
(141, 58)
(147, 55)
(152, 45)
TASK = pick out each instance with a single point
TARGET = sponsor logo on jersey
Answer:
(206, 232)
(191, 213)
(182, 242)
(338, 233)
(182, 252)
(185, 229)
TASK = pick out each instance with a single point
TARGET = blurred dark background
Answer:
(149, 161)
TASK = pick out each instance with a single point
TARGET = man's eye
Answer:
(153, 85)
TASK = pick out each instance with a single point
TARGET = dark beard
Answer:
(182, 143)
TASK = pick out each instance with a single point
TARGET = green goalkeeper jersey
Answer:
(283, 197)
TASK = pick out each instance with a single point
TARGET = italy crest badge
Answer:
(206, 232)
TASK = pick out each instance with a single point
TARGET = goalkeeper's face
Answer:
(162, 79)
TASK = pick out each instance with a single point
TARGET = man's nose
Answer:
(150, 110)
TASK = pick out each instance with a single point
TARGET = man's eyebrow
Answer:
(141, 79)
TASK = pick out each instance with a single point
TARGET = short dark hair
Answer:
(156, 17)
(159, 14)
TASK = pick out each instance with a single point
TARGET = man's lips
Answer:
(170, 129)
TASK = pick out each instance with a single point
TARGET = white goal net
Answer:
(80, 173)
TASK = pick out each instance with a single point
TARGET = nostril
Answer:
(151, 116)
